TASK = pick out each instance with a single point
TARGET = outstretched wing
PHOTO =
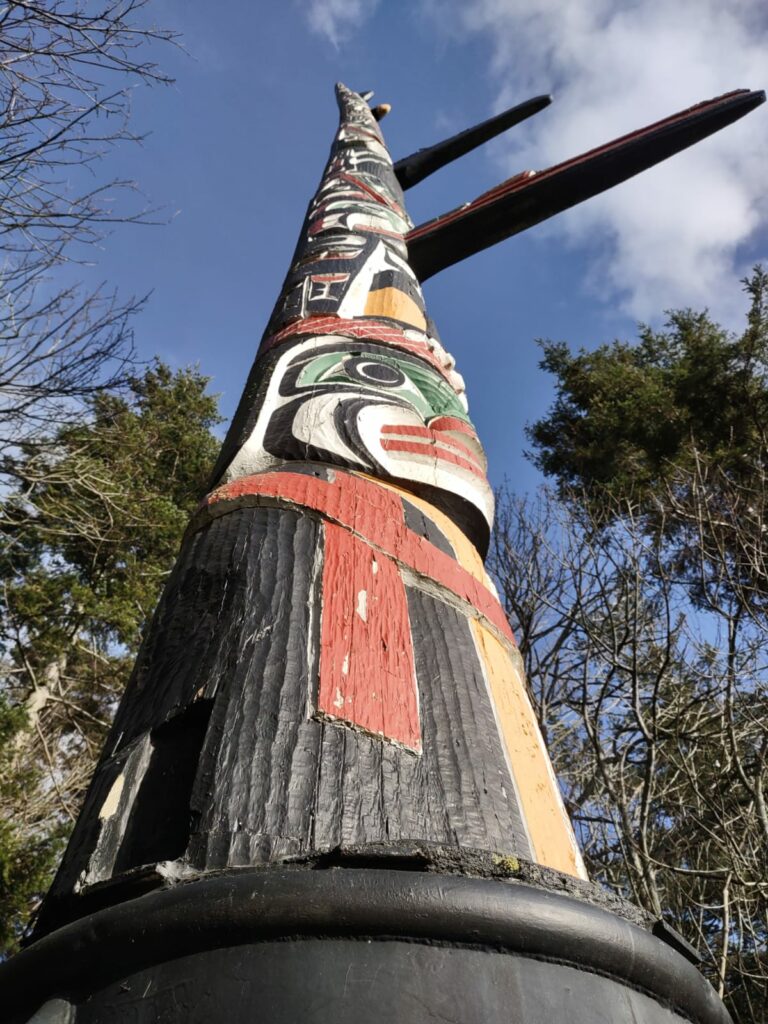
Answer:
(531, 197)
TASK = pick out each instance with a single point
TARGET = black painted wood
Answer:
(412, 169)
(158, 826)
(457, 716)
(236, 641)
(416, 520)
(499, 214)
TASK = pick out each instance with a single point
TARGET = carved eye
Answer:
(370, 371)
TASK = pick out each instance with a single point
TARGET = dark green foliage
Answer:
(639, 594)
(26, 861)
(88, 534)
(626, 416)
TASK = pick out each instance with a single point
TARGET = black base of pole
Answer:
(346, 945)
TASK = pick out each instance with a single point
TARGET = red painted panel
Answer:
(370, 193)
(452, 423)
(373, 512)
(367, 672)
(360, 505)
(430, 433)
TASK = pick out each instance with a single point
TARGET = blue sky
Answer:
(237, 145)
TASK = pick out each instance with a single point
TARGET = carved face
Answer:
(369, 407)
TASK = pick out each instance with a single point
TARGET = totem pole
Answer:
(325, 796)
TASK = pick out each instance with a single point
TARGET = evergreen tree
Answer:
(639, 595)
(88, 534)
(627, 417)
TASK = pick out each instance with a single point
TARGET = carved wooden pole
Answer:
(325, 795)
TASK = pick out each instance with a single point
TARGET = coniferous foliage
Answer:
(626, 415)
(87, 539)
(638, 594)
(73, 506)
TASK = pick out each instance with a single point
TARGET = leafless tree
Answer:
(67, 68)
(646, 644)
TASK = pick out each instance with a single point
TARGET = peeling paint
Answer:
(373, 684)
(110, 805)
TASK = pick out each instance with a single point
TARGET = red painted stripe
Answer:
(367, 670)
(431, 451)
(376, 514)
(317, 227)
(341, 193)
(365, 508)
(380, 197)
(358, 328)
(440, 436)
(452, 423)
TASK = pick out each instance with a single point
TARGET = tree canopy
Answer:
(627, 416)
(638, 590)
(87, 537)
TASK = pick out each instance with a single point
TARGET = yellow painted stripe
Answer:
(396, 304)
(550, 831)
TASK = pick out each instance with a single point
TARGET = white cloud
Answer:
(673, 236)
(337, 19)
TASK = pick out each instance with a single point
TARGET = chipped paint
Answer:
(375, 690)
(111, 804)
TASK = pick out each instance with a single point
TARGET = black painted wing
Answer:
(414, 168)
(532, 197)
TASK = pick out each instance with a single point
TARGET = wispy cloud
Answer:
(338, 19)
(675, 235)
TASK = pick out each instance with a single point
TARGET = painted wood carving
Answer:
(330, 667)
(374, 684)
(330, 612)
(356, 375)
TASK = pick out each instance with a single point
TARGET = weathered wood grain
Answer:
(367, 675)
(316, 672)
(467, 755)
(239, 627)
